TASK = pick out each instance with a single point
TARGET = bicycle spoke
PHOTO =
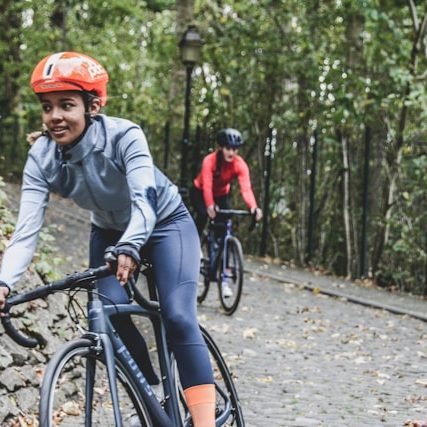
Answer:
(68, 384)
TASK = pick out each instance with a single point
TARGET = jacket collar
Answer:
(78, 150)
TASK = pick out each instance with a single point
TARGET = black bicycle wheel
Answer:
(204, 280)
(230, 279)
(228, 409)
(65, 401)
(226, 393)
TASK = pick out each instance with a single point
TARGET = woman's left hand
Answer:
(258, 213)
(126, 266)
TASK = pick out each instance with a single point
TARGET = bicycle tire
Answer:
(63, 395)
(224, 379)
(204, 280)
(234, 275)
(224, 386)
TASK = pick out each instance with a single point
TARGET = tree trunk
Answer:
(395, 155)
(58, 19)
(346, 205)
(184, 15)
(301, 235)
(10, 22)
(174, 117)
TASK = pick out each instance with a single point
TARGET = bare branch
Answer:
(423, 27)
(421, 33)
(414, 15)
(421, 76)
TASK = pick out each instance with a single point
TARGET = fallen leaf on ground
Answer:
(268, 379)
(71, 408)
(250, 333)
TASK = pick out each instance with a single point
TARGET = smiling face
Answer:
(64, 115)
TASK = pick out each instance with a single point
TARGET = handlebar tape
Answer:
(16, 335)
(42, 292)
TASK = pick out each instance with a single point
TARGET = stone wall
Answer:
(21, 369)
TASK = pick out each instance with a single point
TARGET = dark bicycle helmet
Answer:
(229, 137)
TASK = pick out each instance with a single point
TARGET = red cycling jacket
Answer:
(220, 186)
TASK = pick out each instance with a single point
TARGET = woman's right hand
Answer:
(4, 292)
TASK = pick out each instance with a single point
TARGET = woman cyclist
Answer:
(212, 185)
(104, 164)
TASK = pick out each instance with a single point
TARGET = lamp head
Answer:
(191, 46)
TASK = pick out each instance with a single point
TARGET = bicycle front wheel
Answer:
(230, 279)
(75, 390)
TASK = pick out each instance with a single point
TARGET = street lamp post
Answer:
(190, 45)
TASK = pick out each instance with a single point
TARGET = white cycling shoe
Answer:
(226, 290)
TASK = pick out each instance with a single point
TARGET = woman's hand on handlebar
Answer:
(211, 211)
(123, 264)
(126, 266)
(4, 292)
(257, 212)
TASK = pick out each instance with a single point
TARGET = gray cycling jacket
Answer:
(109, 171)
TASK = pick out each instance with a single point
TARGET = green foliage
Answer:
(407, 250)
(332, 66)
(44, 261)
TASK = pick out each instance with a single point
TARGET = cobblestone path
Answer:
(301, 358)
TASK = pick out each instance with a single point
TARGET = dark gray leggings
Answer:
(174, 251)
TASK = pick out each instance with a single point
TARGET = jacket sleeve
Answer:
(207, 172)
(244, 180)
(135, 158)
(21, 248)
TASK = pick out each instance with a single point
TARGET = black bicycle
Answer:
(94, 381)
(222, 260)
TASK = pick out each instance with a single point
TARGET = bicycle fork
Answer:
(224, 274)
(97, 324)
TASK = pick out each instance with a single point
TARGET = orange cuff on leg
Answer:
(201, 403)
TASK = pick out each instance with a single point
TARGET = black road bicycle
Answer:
(94, 381)
(222, 260)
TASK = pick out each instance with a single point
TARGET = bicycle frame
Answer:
(100, 325)
(101, 332)
(107, 344)
(224, 240)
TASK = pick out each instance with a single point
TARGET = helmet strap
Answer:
(87, 100)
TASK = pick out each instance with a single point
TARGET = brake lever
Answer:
(253, 223)
(129, 288)
(111, 258)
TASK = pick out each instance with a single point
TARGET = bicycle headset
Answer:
(229, 137)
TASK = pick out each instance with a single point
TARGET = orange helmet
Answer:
(70, 71)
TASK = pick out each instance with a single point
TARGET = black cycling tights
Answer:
(199, 207)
